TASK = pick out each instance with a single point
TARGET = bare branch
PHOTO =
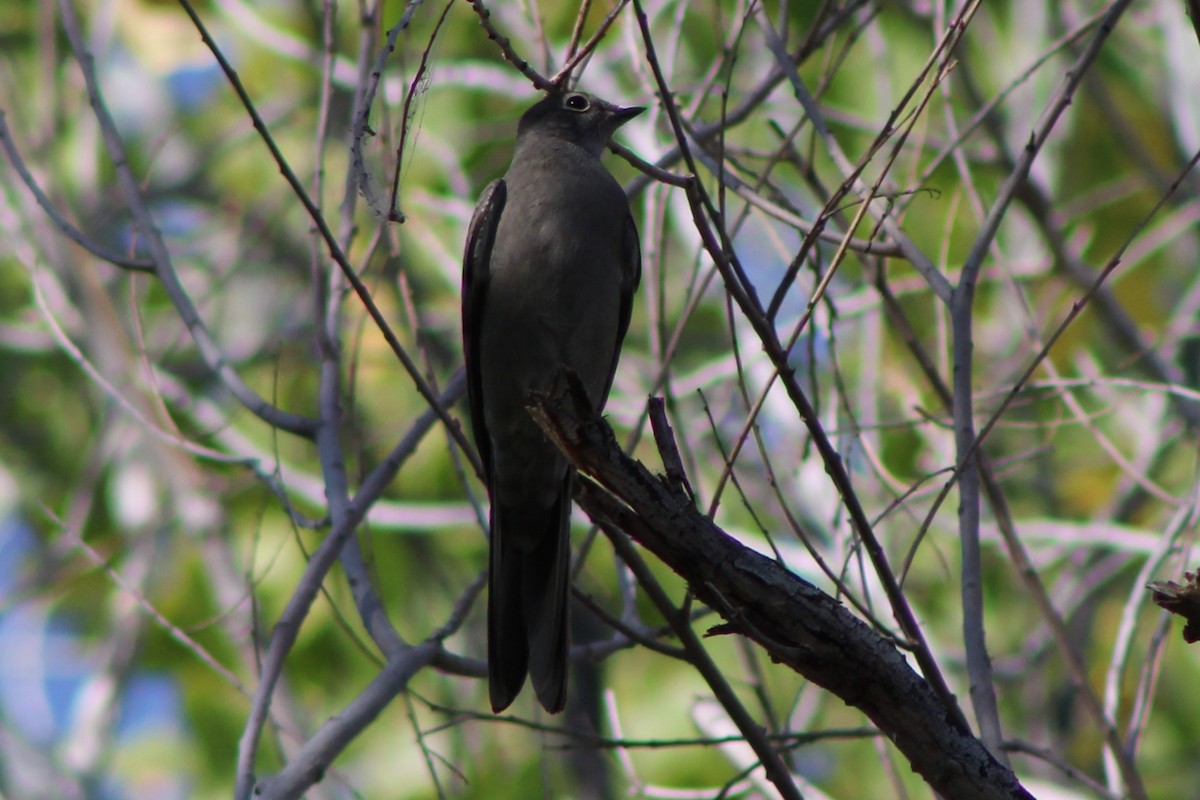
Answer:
(209, 350)
(795, 622)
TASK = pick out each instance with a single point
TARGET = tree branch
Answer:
(796, 623)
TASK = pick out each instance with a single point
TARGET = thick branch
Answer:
(795, 622)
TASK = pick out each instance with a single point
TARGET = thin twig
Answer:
(507, 50)
(735, 283)
(210, 352)
(69, 230)
(335, 250)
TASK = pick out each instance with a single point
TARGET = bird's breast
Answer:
(555, 282)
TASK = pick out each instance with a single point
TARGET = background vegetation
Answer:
(971, 226)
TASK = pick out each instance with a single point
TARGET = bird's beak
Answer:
(622, 115)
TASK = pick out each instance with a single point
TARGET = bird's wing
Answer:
(631, 272)
(477, 265)
(631, 276)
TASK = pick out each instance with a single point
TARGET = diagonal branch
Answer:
(795, 622)
(132, 193)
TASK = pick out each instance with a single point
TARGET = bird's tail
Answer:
(529, 573)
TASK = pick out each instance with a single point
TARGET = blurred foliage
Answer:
(161, 537)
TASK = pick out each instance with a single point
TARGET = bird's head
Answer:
(577, 117)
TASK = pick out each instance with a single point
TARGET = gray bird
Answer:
(551, 264)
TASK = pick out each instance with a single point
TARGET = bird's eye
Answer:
(577, 102)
